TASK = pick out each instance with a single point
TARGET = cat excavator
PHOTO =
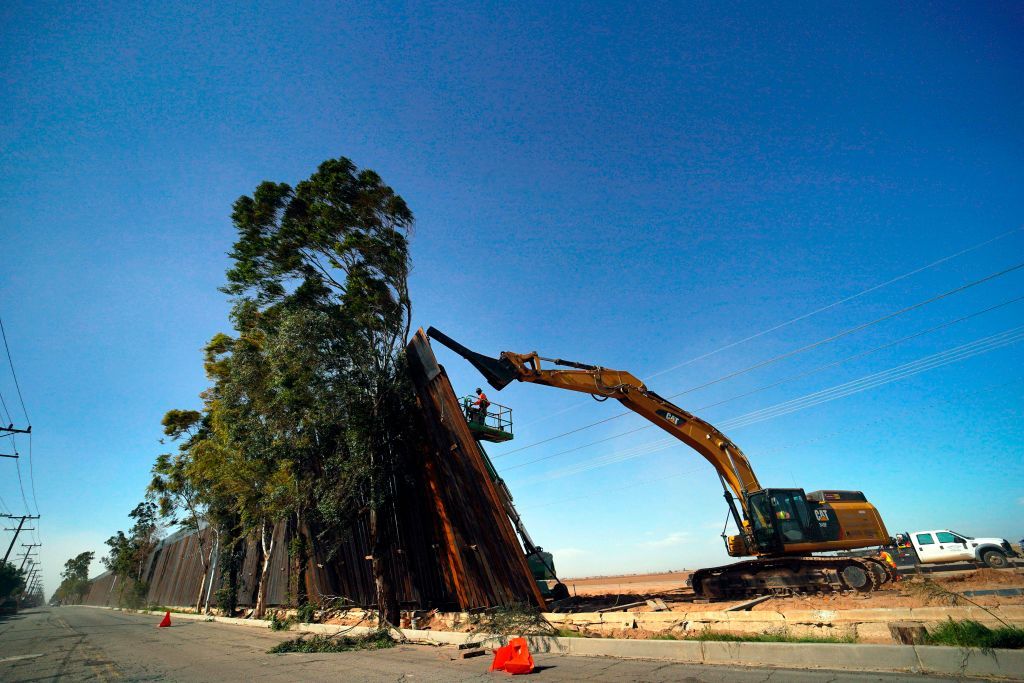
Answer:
(782, 528)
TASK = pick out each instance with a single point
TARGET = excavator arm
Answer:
(780, 526)
(603, 383)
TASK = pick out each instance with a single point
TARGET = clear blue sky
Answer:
(622, 185)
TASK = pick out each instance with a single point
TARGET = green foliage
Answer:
(569, 633)
(970, 633)
(379, 640)
(516, 619)
(132, 594)
(306, 613)
(773, 636)
(12, 580)
(279, 624)
(75, 579)
(307, 415)
(129, 552)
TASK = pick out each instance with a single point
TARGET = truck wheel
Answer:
(995, 559)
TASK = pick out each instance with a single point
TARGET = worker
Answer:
(887, 558)
(478, 411)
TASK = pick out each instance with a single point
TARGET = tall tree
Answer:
(75, 578)
(336, 245)
(12, 580)
(129, 553)
(180, 487)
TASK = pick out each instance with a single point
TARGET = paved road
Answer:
(82, 644)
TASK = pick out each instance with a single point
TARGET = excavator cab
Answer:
(493, 423)
(786, 517)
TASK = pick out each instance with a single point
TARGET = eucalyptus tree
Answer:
(181, 487)
(335, 247)
(75, 578)
(129, 552)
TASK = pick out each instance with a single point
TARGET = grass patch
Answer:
(970, 633)
(780, 636)
(568, 633)
(380, 640)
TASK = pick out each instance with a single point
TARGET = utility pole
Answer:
(21, 523)
(28, 552)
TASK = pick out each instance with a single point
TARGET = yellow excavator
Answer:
(780, 527)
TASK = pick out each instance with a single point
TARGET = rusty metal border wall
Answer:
(454, 546)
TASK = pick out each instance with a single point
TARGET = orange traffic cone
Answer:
(166, 621)
(513, 658)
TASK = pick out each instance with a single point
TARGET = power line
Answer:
(937, 360)
(17, 464)
(842, 301)
(852, 330)
(13, 373)
(790, 354)
(654, 482)
(815, 312)
(31, 474)
(933, 361)
(784, 380)
(7, 413)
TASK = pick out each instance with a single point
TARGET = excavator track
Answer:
(791, 576)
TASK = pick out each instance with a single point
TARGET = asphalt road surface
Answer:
(83, 644)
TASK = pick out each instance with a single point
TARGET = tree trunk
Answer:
(203, 560)
(299, 562)
(267, 544)
(387, 605)
(213, 568)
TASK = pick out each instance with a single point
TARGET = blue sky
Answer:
(621, 185)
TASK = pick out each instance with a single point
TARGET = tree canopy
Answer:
(303, 420)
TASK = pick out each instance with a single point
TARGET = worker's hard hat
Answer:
(479, 390)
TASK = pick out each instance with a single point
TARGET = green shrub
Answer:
(378, 640)
(279, 624)
(306, 613)
(970, 633)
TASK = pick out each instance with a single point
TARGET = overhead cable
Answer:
(815, 312)
(785, 380)
(655, 482)
(871, 381)
(790, 354)
(13, 373)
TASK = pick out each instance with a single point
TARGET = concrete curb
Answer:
(924, 659)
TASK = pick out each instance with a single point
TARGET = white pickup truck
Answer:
(943, 545)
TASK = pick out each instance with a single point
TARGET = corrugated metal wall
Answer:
(454, 547)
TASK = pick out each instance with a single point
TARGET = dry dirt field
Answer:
(670, 587)
(629, 584)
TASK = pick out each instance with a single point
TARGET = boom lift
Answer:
(780, 527)
(494, 424)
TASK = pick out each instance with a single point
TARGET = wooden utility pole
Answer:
(21, 523)
(28, 552)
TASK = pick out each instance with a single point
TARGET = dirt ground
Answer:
(606, 591)
(629, 584)
(594, 593)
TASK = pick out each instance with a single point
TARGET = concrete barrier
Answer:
(930, 659)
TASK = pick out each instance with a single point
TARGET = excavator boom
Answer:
(727, 459)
